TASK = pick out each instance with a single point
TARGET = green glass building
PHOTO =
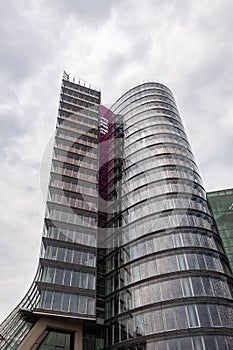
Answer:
(221, 203)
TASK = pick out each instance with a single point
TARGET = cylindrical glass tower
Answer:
(168, 282)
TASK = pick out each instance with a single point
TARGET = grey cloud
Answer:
(27, 40)
(92, 12)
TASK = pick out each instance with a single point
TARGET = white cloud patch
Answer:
(113, 45)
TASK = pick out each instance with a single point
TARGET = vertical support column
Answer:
(78, 338)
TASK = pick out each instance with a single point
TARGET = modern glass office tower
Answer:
(131, 258)
(221, 203)
(65, 283)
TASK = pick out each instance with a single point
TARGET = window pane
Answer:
(57, 301)
(157, 321)
(186, 287)
(82, 304)
(203, 315)
(169, 319)
(192, 316)
(73, 303)
(185, 344)
(181, 318)
(214, 315)
(197, 343)
(65, 302)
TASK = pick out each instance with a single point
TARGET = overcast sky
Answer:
(112, 44)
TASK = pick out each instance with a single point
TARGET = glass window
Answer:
(176, 288)
(148, 323)
(50, 274)
(166, 290)
(192, 316)
(65, 302)
(162, 345)
(187, 291)
(48, 300)
(90, 306)
(67, 277)
(181, 318)
(214, 315)
(75, 279)
(139, 324)
(157, 321)
(222, 342)
(169, 319)
(198, 344)
(145, 294)
(172, 263)
(201, 262)
(155, 292)
(83, 280)
(185, 344)
(203, 315)
(182, 262)
(173, 344)
(161, 264)
(59, 276)
(197, 286)
(77, 257)
(91, 281)
(207, 286)
(82, 304)
(69, 255)
(57, 301)
(192, 261)
(73, 303)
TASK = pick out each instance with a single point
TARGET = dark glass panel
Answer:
(59, 276)
(65, 302)
(187, 291)
(73, 303)
(210, 342)
(176, 288)
(207, 286)
(203, 315)
(57, 301)
(192, 316)
(222, 343)
(48, 300)
(197, 286)
(185, 344)
(198, 344)
(181, 317)
(213, 310)
(173, 344)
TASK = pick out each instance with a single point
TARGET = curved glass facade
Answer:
(166, 270)
(131, 257)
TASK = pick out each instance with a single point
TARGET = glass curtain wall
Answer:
(221, 203)
(166, 270)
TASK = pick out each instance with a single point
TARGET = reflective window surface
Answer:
(170, 318)
(160, 242)
(165, 264)
(164, 290)
(64, 302)
(55, 341)
(161, 265)
(77, 279)
(70, 255)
